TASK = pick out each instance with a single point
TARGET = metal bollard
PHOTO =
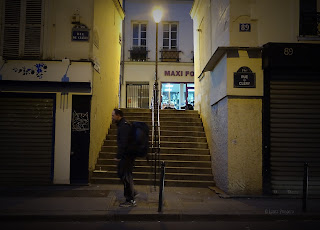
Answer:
(305, 187)
(163, 169)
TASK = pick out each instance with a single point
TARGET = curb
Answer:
(155, 217)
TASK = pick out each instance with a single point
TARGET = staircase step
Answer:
(114, 149)
(169, 176)
(168, 183)
(170, 133)
(165, 157)
(169, 124)
(169, 163)
(150, 168)
(167, 139)
(175, 119)
(201, 145)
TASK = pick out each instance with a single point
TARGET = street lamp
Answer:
(157, 15)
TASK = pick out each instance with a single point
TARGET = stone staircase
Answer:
(184, 149)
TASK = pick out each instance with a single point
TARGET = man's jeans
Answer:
(125, 168)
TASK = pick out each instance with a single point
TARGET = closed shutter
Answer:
(22, 29)
(11, 29)
(26, 134)
(294, 136)
(137, 95)
(33, 28)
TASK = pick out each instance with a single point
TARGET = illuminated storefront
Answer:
(177, 95)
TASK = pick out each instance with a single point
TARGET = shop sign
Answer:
(80, 33)
(244, 78)
(176, 73)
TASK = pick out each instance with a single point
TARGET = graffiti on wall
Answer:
(38, 70)
(80, 121)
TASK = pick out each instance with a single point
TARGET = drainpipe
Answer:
(121, 77)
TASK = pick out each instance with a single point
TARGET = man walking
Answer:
(125, 157)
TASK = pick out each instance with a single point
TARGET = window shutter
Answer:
(22, 29)
(11, 29)
(33, 28)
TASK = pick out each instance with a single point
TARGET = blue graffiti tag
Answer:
(40, 69)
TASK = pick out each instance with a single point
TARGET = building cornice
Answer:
(231, 52)
(120, 10)
(194, 8)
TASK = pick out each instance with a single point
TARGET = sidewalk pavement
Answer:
(101, 203)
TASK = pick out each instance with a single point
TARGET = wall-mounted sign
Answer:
(80, 33)
(245, 27)
(244, 78)
(176, 73)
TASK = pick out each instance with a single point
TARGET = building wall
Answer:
(232, 117)
(75, 59)
(144, 72)
(173, 11)
(58, 44)
(107, 26)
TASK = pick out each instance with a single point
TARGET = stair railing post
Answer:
(163, 169)
(305, 187)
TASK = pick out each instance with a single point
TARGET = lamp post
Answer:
(157, 15)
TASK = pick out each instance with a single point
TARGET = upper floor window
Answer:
(22, 29)
(139, 34)
(170, 52)
(170, 36)
(139, 52)
(309, 18)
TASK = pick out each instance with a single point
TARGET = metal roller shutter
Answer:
(26, 133)
(294, 136)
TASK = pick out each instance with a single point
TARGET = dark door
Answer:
(80, 139)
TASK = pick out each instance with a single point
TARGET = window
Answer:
(139, 34)
(309, 18)
(138, 95)
(139, 42)
(22, 29)
(170, 36)
(169, 52)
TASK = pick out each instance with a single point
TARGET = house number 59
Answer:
(288, 51)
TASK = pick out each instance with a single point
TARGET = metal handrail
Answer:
(152, 124)
(155, 136)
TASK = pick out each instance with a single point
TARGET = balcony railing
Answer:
(310, 24)
(139, 53)
(170, 55)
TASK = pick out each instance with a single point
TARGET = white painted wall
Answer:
(62, 145)
(173, 11)
(22, 70)
(145, 72)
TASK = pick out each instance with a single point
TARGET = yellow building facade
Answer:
(61, 69)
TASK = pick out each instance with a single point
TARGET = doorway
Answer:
(80, 139)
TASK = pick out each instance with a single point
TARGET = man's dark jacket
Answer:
(124, 138)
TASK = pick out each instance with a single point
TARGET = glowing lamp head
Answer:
(157, 15)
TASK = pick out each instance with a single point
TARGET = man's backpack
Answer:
(140, 131)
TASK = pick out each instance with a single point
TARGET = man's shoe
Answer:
(128, 204)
